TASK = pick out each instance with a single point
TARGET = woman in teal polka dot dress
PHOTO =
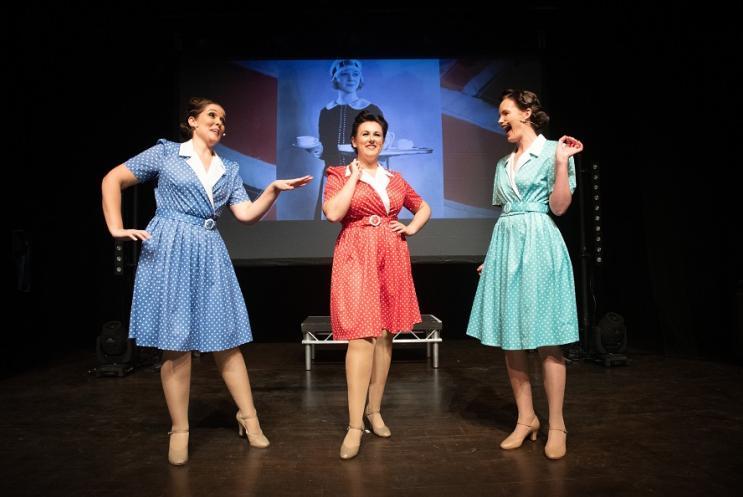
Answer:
(526, 295)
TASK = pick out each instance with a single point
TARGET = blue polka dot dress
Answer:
(526, 295)
(186, 294)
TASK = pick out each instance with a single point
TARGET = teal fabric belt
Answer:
(512, 208)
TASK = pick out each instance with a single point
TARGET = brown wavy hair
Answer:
(528, 100)
(196, 106)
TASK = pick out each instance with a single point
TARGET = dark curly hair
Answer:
(528, 100)
(196, 106)
(366, 116)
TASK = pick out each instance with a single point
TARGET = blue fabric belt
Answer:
(512, 208)
(207, 223)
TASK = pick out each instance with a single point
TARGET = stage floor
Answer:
(660, 426)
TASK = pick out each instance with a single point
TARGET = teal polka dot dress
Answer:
(526, 295)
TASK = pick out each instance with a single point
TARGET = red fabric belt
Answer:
(371, 221)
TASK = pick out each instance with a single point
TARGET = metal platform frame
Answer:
(316, 332)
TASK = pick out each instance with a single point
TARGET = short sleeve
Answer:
(237, 188)
(571, 176)
(333, 184)
(412, 201)
(147, 165)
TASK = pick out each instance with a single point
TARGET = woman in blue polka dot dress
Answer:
(186, 294)
(526, 296)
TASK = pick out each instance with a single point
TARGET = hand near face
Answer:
(291, 184)
(568, 146)
(355, 169)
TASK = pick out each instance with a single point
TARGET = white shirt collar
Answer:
(380, 168)
(358, 104)
(207, 178)
(378, 182)
(532, 150)
(186, 149)
(537, 145)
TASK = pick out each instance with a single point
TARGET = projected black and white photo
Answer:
(289, 118)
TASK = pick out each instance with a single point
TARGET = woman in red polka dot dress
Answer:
(372, 292)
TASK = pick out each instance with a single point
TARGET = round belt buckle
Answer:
(209, 223)
(507, 208)
(374, 220)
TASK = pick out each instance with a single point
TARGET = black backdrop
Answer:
(650, 93)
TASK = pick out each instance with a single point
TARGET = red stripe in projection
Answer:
(248, 97)
(461, 72)
(470, 155)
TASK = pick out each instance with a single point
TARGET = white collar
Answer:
(207, 178)
(389, 174)
(358, 104)
(186, 149)
(536, 146)
(378, 182)
(532, 150)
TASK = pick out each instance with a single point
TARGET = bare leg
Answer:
(518, 373)
(359, 360)
(175, 374)
(231, 365)
(553, 364)
(380, 371)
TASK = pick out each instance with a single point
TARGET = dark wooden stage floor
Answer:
(661, 427)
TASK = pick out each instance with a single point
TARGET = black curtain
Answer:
(653, 95)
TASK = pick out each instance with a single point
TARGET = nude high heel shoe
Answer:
(382, 431)
(556, 450)
(514, 441)
(178, 449)
(257, 440)
(351, 451)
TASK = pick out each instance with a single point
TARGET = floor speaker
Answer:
(114, 350)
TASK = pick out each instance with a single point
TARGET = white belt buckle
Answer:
(375, 220)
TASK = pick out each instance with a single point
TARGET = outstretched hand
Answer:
(291, 184)
(568, 146)
(130, 234)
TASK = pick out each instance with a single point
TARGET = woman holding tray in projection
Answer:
(186, 294)
(372, 293)
(338, 116)
(526, 296)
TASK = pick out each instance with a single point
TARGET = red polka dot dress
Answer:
(371, 286)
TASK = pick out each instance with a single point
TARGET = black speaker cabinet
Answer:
(114, 350)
